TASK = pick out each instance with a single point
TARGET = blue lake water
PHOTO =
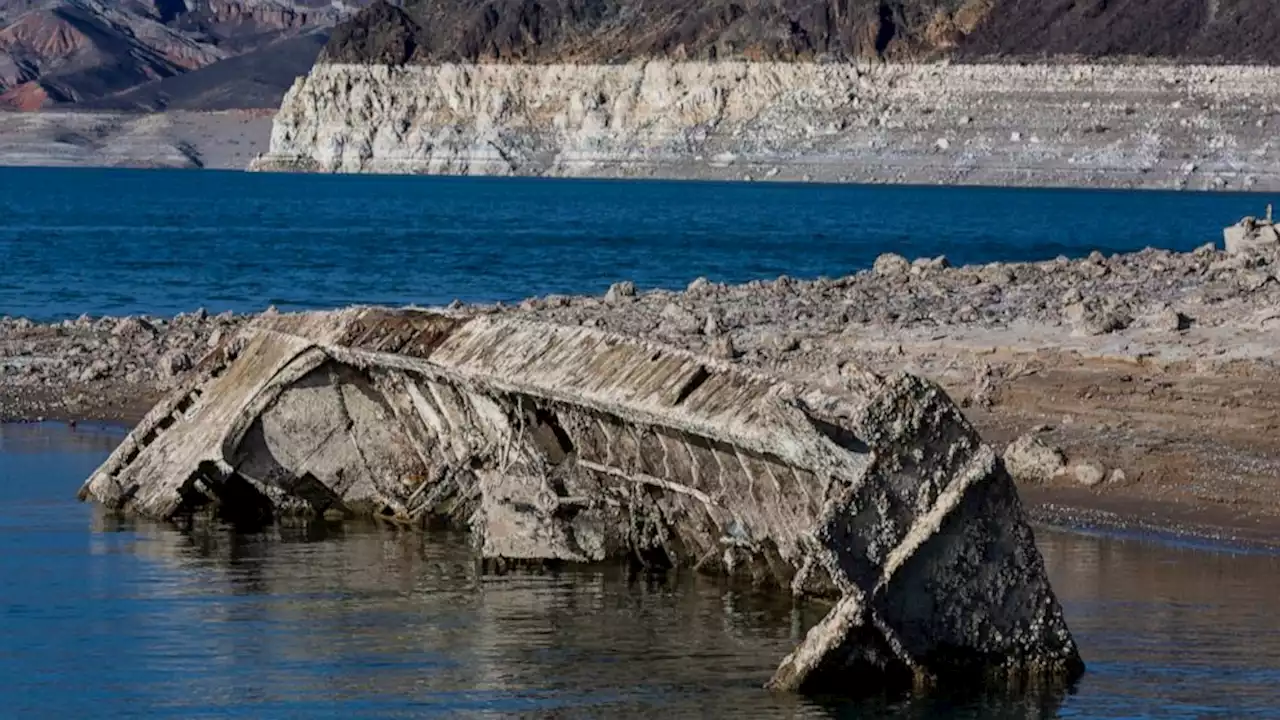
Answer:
(162, 242)
(101, 617)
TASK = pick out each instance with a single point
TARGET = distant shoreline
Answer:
(222, 140)
(1104, 125)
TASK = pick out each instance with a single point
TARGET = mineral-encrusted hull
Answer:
(563, 443)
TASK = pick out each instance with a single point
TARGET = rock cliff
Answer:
(1059, 124)
(794, 89)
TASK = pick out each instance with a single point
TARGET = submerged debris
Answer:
(558, 443)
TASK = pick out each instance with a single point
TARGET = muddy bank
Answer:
(1139, 386)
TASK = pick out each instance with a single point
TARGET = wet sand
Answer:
(1150, 372)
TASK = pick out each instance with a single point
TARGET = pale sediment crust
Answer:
(1102, 125)
(225, 140)
(1155, 369)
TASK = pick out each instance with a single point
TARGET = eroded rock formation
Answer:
(568, 444)
(1109, 125)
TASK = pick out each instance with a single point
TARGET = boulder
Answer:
(679, 319)
(1251, 234)
(620, 292)
(174, 363)
(1089, 473)
(890, 265)
(1031, 459)
(568, 444)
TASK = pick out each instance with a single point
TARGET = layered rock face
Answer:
(1153, 126)
(794, 89)
(561, 443)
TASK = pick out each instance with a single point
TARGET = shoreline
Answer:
(1104, 125)
(1147, 376)
(178, 139)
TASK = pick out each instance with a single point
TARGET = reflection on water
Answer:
(105, 616)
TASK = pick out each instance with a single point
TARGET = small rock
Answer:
(712, 327)
(786, 343)
(174, 363)
(1072, 296)
(996, 274)
(1089, 474)
(1091, 318)
(942, 144)
(679, 318)
(700, 284)
(96, 371)
(1169, 320)
(1074, 313)
(1255, 280)
(722, 347)
(891, 264)
(1015, 137)
(936, 263)
(132, 327)
(620, 292)
(215, 337)
(1030, 459)
(1117, 477)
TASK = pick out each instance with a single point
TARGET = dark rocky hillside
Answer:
(82, 52)
(426, 31)
(223, 54)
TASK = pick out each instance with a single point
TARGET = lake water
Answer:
(105, 618)
(163, 242)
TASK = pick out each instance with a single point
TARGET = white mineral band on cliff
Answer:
(1102, 125)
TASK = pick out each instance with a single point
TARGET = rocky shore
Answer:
(1133, 391)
